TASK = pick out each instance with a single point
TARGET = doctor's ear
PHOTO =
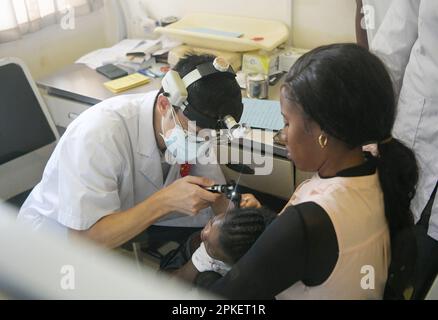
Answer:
(163, 105)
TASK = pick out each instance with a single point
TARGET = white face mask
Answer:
(182, 146)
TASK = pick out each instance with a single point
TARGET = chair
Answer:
(28, 135)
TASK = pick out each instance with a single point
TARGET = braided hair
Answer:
(241, 228)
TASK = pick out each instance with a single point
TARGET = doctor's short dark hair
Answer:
(214, 96)
(348, 92)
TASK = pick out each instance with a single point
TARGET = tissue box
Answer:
(261, 62)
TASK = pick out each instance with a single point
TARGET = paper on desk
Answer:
(146, 47)
(115, 54)
(167, 44)
(262, 114)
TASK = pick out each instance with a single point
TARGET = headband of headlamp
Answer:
(175, 89)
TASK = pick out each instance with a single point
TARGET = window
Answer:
(18, 17)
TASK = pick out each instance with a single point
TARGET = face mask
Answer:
(183, 147)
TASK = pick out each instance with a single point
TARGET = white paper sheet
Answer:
(115, 54)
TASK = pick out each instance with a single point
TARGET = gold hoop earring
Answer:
(323, 140)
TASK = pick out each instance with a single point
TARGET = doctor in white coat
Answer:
(108, 179)
(407, 41)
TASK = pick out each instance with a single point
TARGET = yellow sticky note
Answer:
(126, 83)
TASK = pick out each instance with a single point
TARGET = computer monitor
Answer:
(27, 133)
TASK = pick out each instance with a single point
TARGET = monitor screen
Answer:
(23, 125)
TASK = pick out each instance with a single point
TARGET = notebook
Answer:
(262, 114)
(111, 71)
(126, 83)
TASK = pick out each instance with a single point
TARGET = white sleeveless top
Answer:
(356, 209)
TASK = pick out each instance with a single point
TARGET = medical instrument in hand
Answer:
(229, 190)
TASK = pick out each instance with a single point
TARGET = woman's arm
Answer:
(187, 273)
(300, 245)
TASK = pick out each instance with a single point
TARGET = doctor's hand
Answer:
(187, 195)
(249, 201)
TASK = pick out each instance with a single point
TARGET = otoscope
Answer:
(229, 190)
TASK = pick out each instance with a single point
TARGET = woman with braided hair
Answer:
(224, 240)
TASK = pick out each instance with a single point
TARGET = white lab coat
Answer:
(107, 161)
(375, 11)
(407, 42)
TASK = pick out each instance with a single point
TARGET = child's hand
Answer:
(249, 201)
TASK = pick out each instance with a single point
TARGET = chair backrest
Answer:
(27, 132)
(402, 267)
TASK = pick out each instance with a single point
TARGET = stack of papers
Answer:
(262, 114)
(126, 83)
(111, 55)
(145, 48)
(134, 54)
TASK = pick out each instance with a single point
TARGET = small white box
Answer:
(288, 58)
(266, 63)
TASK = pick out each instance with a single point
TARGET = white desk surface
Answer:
(85, 85)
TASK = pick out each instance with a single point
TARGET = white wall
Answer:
(318, 22)
(52, 48)
(313, 22)
(268, 9)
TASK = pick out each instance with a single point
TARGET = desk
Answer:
(84, 85)
(76, 88)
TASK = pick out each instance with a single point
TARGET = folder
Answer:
(126, 83)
